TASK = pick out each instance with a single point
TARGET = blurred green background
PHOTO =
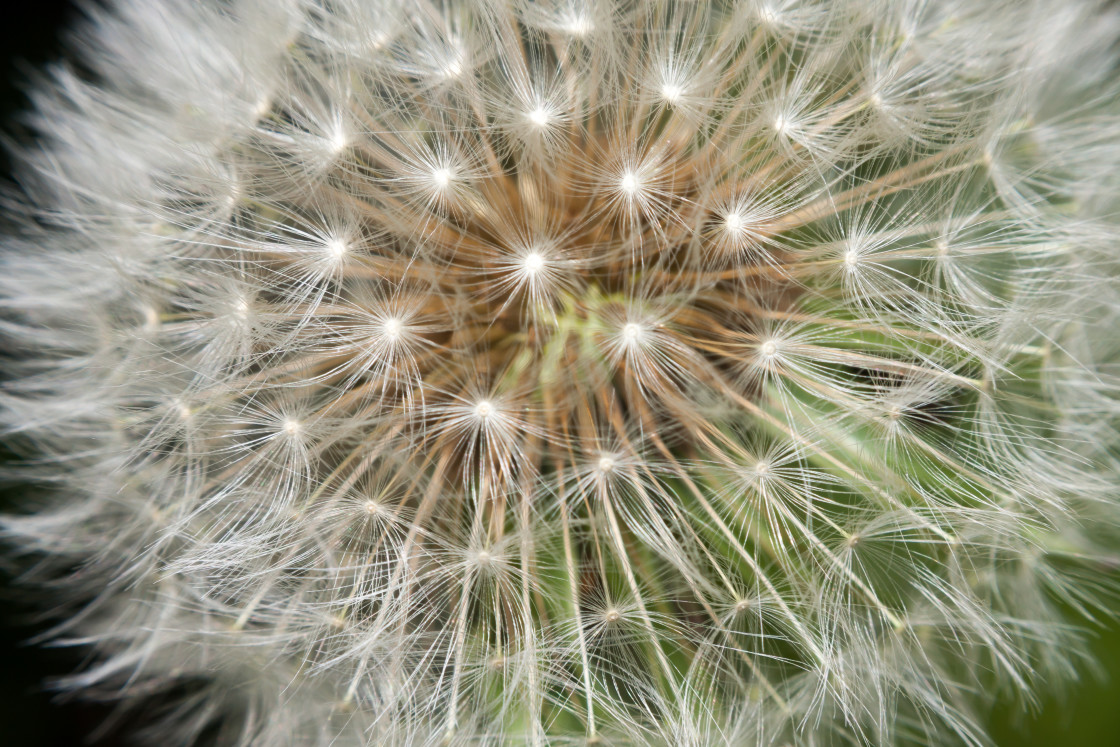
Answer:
(1087, 715)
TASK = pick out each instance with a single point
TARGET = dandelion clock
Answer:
(570, 372)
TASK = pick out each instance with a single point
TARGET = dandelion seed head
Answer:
(569, 371)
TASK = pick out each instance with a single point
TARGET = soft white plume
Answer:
(470, 372)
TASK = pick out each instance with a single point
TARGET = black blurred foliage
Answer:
(32, 34)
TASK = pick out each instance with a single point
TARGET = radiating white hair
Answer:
(463, 372)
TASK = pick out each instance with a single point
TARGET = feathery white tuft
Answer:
(502, 372)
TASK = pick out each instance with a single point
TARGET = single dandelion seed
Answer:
(533, 262)
(579, 25)
(539, 117)
(629, 183)
(339, 141)
(441, 177)
(671, 93)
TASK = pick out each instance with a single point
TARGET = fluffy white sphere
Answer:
(471, 372)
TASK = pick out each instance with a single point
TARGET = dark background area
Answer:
(30, 35)
(31, 716)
